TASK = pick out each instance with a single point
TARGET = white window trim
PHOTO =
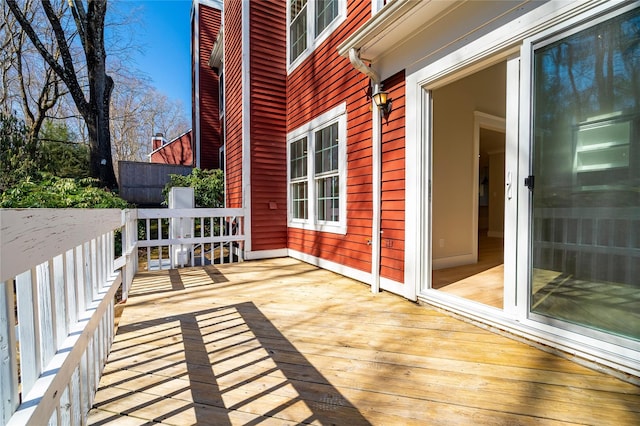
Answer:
(312, 41)
(335, 115)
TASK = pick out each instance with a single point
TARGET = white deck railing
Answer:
(57, 288)
(174, 238)
(58, 280)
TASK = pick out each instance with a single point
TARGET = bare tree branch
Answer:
(89, 24)
(80, 17)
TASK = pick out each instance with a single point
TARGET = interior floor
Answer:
(481, 282)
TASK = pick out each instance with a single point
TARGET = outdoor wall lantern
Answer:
(381, 98)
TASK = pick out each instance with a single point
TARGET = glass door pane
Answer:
(586, 165)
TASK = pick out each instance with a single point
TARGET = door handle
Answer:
(509, 186)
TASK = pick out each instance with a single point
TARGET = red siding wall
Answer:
(233, 104)
(321, 82)
(268, 94)
(393, 182)
(178, 151)
(210, 138)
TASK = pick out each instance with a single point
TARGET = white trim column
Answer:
(376, 159)
(246, 124)
(417, 253)
(196, 76)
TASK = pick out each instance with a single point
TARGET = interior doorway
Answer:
(468, 185)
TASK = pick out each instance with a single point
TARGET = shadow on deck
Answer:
(282, 342)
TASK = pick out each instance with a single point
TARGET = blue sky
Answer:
(164, 37)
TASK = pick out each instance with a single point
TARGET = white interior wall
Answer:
(453, 162)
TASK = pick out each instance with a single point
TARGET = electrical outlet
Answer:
(441, 242)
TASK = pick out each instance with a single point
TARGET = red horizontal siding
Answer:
(233, 101)
(210, 135)
(268, 93)
(321, 82)
(335, 248)
(393, 182)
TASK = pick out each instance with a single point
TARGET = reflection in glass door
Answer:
(586, 186)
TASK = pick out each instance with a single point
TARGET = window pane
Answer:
(298, 30)
(326, 148)
(586, 162)
(300, 200)
(296, 7)
(326, 12)
(298, 159)
(328, 190)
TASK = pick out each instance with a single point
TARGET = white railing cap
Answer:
(29, 237)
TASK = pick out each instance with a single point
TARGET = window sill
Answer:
(331, 228)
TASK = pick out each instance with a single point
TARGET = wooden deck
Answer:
(281, 342)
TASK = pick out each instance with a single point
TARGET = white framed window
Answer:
(317, 173)
(309, 23)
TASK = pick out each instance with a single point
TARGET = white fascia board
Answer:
(501, 43)
(394, 24)
(379, 22)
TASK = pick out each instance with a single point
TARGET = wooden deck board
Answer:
(282, 342)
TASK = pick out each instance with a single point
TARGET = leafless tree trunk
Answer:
(89, 18)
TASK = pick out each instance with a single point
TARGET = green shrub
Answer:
(48, 191)
(19, 155)
(59, 155)
(208, 187)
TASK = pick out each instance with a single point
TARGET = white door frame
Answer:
(486, 121)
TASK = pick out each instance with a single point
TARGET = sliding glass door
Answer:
(585, 182)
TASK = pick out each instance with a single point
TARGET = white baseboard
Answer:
(338, 268)
(265, 254)
(356, 274)
(450, 262)
(393, 286)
